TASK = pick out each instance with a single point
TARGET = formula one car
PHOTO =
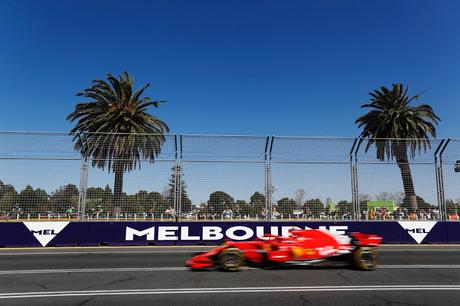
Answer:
(301, 247)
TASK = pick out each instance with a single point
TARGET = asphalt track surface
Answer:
(408, 275)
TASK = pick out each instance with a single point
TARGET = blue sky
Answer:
(230, 67)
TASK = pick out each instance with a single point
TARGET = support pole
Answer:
(177, 197)
(354, 178)
(357, 204)
(83, 188)
(268, 178)
(179, 191)
(354, 199)
(437, 172)
(178, 178)
(442, 203)
(268, 191)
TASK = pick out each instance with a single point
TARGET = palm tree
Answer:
(114, 129)
(398, 129)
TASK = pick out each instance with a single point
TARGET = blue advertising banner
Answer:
(56, 233)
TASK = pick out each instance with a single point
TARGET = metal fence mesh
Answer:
(312, 191)
(450, 171)
(43, 176)
(382, 182)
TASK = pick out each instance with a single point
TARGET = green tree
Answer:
(186, 203)
(156, 203)
(64, 198)
(363, 198)
(33, 201)
(148, 202)
(218, 201)
(107, 199)
(258, 202)
(286, 206)
(94, 197)
(344, 207)
(316, 207)
(398, 130)
(242, 208)
(114, 129)
(99, 196)
(8, 196)
(131, 203)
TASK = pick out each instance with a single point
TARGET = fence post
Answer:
(268, 178)
(83, 188)
(178, 178)
(179, 190)
(437, 176)
(440, 181)
(268, 191)
(354, 181)
(357, 204)
(176, 190)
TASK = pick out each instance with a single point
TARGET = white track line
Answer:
(418, 267)
(92, 270)
(172, 269)
(16, 295)
(425, 250)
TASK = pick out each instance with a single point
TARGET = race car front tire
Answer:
(231, 259)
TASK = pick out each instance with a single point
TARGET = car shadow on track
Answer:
(285, 267)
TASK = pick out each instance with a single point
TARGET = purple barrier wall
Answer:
(31, 234)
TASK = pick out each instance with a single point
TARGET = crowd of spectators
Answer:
(383, 213)
(374, 213)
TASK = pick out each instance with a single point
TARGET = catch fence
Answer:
(43, 176)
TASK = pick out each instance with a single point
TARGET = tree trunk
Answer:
(118, 187)
(408, 183)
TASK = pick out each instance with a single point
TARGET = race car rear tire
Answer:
(366, 258)
(231, 259)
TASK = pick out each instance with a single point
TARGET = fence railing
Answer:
(57, 176)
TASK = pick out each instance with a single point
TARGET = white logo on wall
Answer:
(417, 229)
(44, 232)
(210, 233)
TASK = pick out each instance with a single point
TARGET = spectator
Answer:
(16, 211)
(227, 213)
(435, 214)
(386, 215)
(275, 213)
(170, 212)
(263, 213)
(372, 214)
(399, 214)
(70, 212)
(97, 212)
(92, 213)
(237, 210)
(306, 212)
(4, 216)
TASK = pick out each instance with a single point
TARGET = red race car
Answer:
(302, 247)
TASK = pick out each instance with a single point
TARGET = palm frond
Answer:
(114, 127)
(393, 117)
